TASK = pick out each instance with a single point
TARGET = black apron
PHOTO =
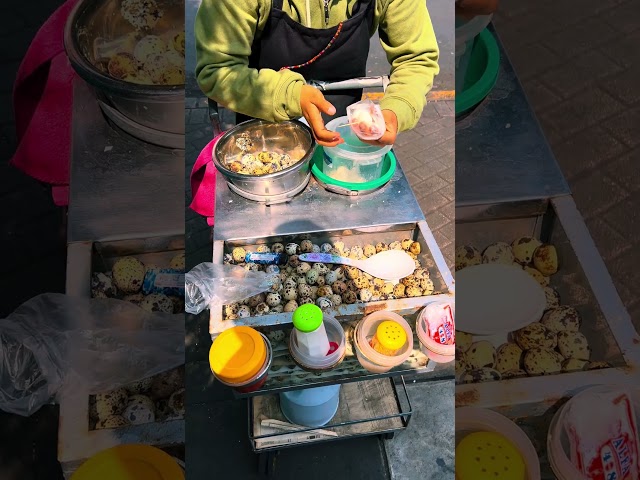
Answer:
(285, 43)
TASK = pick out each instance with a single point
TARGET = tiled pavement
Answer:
(578, 63)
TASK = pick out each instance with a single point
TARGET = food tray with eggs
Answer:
(585, 334)
(340, 291)
(152, 410)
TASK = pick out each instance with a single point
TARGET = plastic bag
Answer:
(366, 120)
(55, 341)
(209, 285)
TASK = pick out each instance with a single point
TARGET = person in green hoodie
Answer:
(254, 57)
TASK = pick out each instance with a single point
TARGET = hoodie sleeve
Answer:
(224, 33)
(408, 39)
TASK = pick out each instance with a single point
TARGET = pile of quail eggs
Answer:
(259, 162)
(328, 286)
(125, 280)
(155, 399)
(551, 345)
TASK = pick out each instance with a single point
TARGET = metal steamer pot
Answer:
(285, 137)
(150, 109)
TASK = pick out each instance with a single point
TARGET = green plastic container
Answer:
(481, 73)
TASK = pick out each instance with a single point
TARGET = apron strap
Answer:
(277, 4)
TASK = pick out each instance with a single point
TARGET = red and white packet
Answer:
(603, 436)
(439, 317)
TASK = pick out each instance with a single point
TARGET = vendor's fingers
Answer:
(323, 105)
(323, 136)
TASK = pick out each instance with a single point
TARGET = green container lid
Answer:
(482, 72)
(307, 318)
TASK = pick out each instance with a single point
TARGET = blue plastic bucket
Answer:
(311, 407)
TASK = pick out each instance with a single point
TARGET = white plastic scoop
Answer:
(388, 265)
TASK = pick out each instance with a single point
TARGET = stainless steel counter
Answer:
(120, 187)
(501, 152)
(314, 210)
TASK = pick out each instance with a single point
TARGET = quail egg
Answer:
(535, 335)
(461, 366)
(573, 345)
(349, 297)
(165, 383)
(157, 302)
(291, 282)
(523, 249)
(178, 262)
(277, 309)
(537, 276)
(262, 308)
(508, 357)
(102, 285)
(141, 400)
(405, 244)
(415, 248)
(426, 284)
(177, 403)
(315, 248)
(290, 293)
(467, 256)
(321, 281)
(122, 65)
(305, 300)
(339, 246)
(135, 298)
(111, 403)
(244, 311)
(399, 290)
(128, 274)
(410, 281)
(291, 306)
(331, 277)
(369, 250)
(263, 249)
(480, 375)
(335, 299)
(277, 248)
(362, 282)
(541, 361)
(545, 259)
(141, 14)
(303, 268)
(499, 252)
(141, 386)
(353, 273)
(272, 269)
(338, 287)
(413, 291)
(138, 414)
(357, 253)
(561, 318)
(463, 341)
(552, 297)
(227, 259)
(276, 335)
(480, 355)
(256, 299)
(314, 291)
(381, 247)
(324, 303)
(365, 295)
(302, 280)
(326, 247)
(304, 291)
(294, 261)
(321, 268)
(306, 246)
(573, 365)
(387, 288)
(112, 421)
(238, 254)
(292, 249)
(395, 246)
(514, 374)
(325, 291)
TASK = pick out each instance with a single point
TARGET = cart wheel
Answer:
(389, 436)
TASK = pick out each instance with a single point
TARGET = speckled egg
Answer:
(535, 335)
(304, 291)
(541, 361)
(256, 299)
(410, 281)
(128, 274)
(290, 306)
(135, 298)
(244, 311)
(303, 268)
(177, 403)
(178, 262)
(324, 303)
(480, 355)
(352, 273)
(140, 386)
(238, 254)
(545, 259)
(339, 287)
(306, 246)
(349, 297)
(357, 253)
(331, 277)
(395, 246)
(362, 282)
(523, 249)
(399, 290)
(461, 366)
(273, 299)
(165, 383)
(339, 246)
(499, 252)
(508, 357)
(369, 250)
(537, 276)
(467, 256)
(122, 65)
(514, 374)
(415, 248)
(290, 293)
(312, 276)
(562, 318)
(387, 288)
(463, 341)
(325, 291)
(261, 309)
(263, 249)
(228, 259)
(102, 285)
(573, 345)
(157, 302)
(427, 286)
(480, 375)
(138, 414)
(321, 268)
(294, 261)
(314, 291)
(142, 400)
(301, 280)
(413, 291)
(381, 247)
(326, 247)
(305, 300)
(552, 297)
(111, 403)
(335, 299)
(277, 248)
(364, 295)
(321, 281)
(292, 249)
(112, 421)
(573, 365)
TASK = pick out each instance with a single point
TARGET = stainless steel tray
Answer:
(582, 281)
(431, 258)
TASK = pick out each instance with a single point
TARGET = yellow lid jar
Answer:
(389, 339)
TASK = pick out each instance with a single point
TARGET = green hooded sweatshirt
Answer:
(225, 31)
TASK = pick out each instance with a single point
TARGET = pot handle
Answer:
(214, 117)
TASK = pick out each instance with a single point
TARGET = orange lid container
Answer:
(237, 355)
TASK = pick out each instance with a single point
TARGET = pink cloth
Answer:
(203, 183)
(43, 102)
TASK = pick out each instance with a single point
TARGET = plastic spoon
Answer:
(387, 265)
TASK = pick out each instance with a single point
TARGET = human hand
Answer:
(391, 131)
(471, 8)
(312, 104)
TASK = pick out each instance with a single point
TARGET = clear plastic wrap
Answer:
(366, 120)
(54, 341)
(208, 285)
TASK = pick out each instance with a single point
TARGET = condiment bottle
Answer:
(310, 332)
(389, 338)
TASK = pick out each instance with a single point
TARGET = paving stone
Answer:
(624, 85)
(625, 126)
